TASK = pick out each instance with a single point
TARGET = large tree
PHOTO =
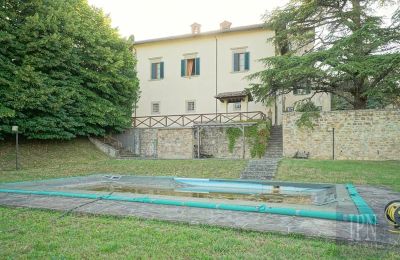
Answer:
(64, 71)
(341, 47)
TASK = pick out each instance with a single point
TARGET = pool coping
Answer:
(365, 214)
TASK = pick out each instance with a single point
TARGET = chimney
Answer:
(196, 28)
(225, 25)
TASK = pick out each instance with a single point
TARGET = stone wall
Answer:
(359, 135)
(130, 139)
(175, 143)
(148, 142)
(140, 141)
(214, 143)
(181, 143)
(105, 148)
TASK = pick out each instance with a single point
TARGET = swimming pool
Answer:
(339, 202)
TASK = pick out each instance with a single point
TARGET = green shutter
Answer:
(161, 70)
(247, 61)
(236, 62)
(183, 68)
(197, 67)
(153, 71)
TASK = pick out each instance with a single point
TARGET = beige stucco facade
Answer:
(215, 50)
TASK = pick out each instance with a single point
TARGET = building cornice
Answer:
(209, 33)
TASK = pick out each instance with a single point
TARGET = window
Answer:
(241, 61)
(190, 106)
(157, 70)
(237, 106)
(190, 67)
(289, 109)
(155, 107)
(301, 91)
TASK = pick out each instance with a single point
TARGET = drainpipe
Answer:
(216, 75)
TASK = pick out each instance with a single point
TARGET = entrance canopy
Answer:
(235, 96)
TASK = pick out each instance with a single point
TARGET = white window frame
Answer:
(152, 107)
(158, 70)
(237, 108)
(187, 106)
(190, 56)
(301, 92)
(156, 60)
(242, 54)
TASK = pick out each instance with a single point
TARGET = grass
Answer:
(42, 234)
(29, 233)
(377, 173)
(42, 160)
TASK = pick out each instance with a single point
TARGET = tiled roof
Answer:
(234, 94)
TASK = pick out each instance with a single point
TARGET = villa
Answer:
(205, 73)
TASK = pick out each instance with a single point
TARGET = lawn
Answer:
(385, 173)
(44, 159)
(27, 233)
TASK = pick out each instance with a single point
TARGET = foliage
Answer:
(338, 47)
(309, 113)
(375, 102)
(233, 133)
(339, 103)
(64, 72)
(256, 135)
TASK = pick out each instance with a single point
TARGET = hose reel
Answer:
(392, 213)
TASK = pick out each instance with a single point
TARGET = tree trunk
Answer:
(360, 102)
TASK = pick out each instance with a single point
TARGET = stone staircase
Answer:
(265, 168)
(126, 154)
(123, 153)
(275, 143)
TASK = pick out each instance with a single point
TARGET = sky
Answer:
(148, 19)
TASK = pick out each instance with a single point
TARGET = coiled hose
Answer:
(392, 213)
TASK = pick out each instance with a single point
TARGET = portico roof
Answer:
(234, 96)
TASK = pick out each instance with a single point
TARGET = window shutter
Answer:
(161, 70)
(247, 61)
(153, 71)
(183, 68)
(236, 62)
(197, 66)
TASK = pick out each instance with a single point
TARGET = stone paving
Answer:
(344, 231)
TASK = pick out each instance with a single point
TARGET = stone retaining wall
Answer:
(175, 143)
(105, 148)
(359, 135)
(214, 143)
(180, 143)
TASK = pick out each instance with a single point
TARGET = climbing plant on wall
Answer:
(256, 136)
